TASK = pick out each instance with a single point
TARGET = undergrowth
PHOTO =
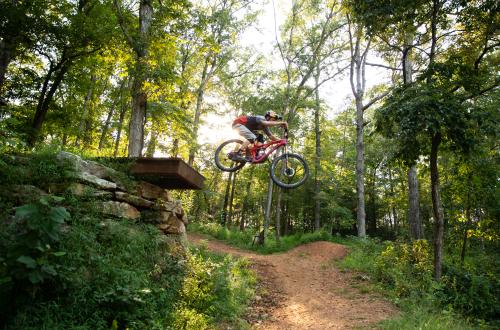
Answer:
(65, 266)
(246, 239)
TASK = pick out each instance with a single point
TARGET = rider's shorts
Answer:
(245, 132)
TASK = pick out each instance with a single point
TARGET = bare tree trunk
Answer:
(231, 198)
(467, 224)
(267, 214)
(393, 206)
(226, 199)
(278, 215)
(436, 208)
(85, 113)
(414, 221)
(416, 231)
(175, 148)
(317, 159)
(197, 114)
(47, 95)
(6, 56)
(358, 82)
(246, 200)
(139, 95)
(150, 150)
(360, 169)
(105, 128)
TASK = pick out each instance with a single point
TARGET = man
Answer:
(247, 126)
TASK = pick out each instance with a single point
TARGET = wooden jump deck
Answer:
(168, 173)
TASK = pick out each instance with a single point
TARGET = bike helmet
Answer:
(273, 115)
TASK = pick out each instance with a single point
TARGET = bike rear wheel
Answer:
(222, 159)
(289, 171)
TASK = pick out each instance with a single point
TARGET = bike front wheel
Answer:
(289, 171)
(222, 159)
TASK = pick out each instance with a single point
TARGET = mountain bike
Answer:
(287, 170)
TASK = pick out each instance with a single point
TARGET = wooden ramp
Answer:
(168, 173)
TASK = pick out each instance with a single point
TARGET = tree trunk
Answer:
(358, 83)
(105, 128)
(267, 214)
(393, 207)
(46, 96)
(231, 198)
(139, 95)
(82, 130)
(436, 208)
(123, 110)
(246, 200)
(6, 56)
(467, 226)
(317, 159)
(226, 199)
(360, 170)
(416, 231)
(278, 215)
(136, 128)
(175, 148)
(197, 114)
(153, 141)
(414, 221)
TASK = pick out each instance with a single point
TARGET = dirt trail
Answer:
(301, 289)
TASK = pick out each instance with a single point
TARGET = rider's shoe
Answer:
(237, 156)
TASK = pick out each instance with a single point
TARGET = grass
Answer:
(244, 239)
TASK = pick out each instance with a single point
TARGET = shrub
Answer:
(406, 268)
(471, 293)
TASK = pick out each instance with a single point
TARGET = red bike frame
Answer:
(276, 145)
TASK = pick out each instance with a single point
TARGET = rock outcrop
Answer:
(135, 200)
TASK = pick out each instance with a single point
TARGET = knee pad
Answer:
(251, 140)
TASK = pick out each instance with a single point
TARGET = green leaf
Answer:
(57, 199)
(35, 277)
(59, 253)
(28, 261)
(44, 200)
(59, 214)
(26, 211)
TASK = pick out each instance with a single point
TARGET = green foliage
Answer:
(404, 272)
(96, 273)
(215, 289)
(29, 250)
(471, 292)
(38, 169)
(402, 261)
(245, 239)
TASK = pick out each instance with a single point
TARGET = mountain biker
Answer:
(247, 127)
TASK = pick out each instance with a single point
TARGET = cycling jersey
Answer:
(253, 123)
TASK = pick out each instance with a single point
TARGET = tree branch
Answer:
(383, 66)
(375, 99)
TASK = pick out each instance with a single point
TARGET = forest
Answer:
(394, 105)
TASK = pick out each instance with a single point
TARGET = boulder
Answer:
(175, 206)
(120, 209)
(82, 190)
(21, 194)
(93, 168)
(173, 226)
(95, 181)
(156, 216)
(150, 191)
(134, 200)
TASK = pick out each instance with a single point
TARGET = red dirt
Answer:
(302, 289)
